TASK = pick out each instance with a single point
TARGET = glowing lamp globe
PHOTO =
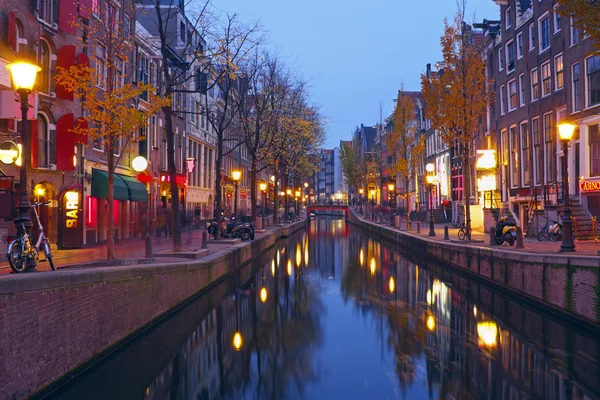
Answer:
(361, 191)
(236, 175)
(565, 131)
(391, 187)
(429, 167)
(139, 164)
(297, 193)
(23, 75)
(289, 192)
(305, 184)
(263, 187)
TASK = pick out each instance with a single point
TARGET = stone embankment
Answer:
(52, 323)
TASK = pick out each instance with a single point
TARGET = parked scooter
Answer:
(506, 231)
(231, 228)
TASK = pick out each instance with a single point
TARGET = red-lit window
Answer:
(91, 212)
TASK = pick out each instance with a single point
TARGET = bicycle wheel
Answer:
(461, 234)
(15, 260)
(48, 253)
(542, 234)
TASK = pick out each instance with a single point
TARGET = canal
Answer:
(332, 313)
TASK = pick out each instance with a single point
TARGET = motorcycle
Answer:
(230, 228)
(508, 234)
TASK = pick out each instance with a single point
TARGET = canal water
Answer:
(333, 313)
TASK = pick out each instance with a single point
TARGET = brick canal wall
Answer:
(569, 285)
(51, 323)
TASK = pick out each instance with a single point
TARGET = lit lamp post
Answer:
(565, 131)
(263, 189)
(372, 204)
(23, 76)
(430, 181)
(305, 191)
(236, 175)
(296, 205)
(361, 191)
(139, 164)
(391, 196)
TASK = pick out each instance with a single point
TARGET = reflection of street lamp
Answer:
(236, 175)
(373, 265)
(23, 77)
(263, 294)
(361, 257)
(139, 164)
(237, 341)
(297, 193)
(565, 131)
(430, 323)
(430, 181)
(487, 333)
(392, 284)
(263, 189)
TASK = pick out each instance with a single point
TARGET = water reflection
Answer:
(332, 313)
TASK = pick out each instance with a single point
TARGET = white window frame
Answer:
(502, 110)
(556, 88)
(556, 19)
(574, 33)
(508, 69)
(522, 150)
(501, 59)
(532, 34)
(507, 22)
(509, 95)
(573, 92)
(519, 42)
(541, 33)
(533, 97)
(522, 90)
(511, 155)
(587, 91)
(101, 74)
(544, 94)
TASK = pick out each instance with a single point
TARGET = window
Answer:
(510, 57)
(544, 27)
(515, 151)
(576, 88)
(43, 142)
(126, 26)
(502, 100)
(504, 147)
(526, 153)
(522, 90)
(594, 138)
(500, 60)
(101, 66)
(546, 79)
(593, 80)
(512, 95)
(144, 75)
(556, 20)
(538, 155)
(558, 72)
(575, 34)
(44, 63)
(531, 37)
(48, 11)
(119, 72)
(520, 45)
(550, 148)
(535, 85)
(153, 130)
(507, 17)
(143, 140)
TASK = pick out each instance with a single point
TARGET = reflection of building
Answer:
(325, 175)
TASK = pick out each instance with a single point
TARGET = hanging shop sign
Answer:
(71, 232)
(190, 163)
(589, 185)
(9, 152)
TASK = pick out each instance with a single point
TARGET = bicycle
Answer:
(417, 216)
(462, 232)
(20, 249)
(552, 232)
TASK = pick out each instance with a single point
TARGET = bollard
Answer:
(446, 235)
(493, 236)
(418, 226)
(148, 245)
(205, 239)
(520, 238)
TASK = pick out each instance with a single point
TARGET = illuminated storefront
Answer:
(70, 231)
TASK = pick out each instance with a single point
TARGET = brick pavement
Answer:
(532, 245)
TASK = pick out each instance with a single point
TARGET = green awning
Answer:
(137, 190)
(100, 186)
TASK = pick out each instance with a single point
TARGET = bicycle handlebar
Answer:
(44, 203)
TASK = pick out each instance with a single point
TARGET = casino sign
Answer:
(590, 185)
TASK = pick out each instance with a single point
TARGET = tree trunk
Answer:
(172, 168)
(218, 189)
(466, 174)
(407, 201)
(110, 238)
(276, 196)
(253, 192)
(286, 184)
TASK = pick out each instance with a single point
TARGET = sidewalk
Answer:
(532, 245)
(124, 249)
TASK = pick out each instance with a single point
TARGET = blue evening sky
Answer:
(356, 53)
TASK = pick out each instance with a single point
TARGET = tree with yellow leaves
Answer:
(457, 98)
(586, 17)
(109, 98)
(404, 144)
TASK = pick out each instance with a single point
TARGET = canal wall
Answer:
(52, 323)
(569, 285)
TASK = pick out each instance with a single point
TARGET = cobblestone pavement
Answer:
(532, 245)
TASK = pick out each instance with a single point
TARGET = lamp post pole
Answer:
(431, 222)
(567, 243)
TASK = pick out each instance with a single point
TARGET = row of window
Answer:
(540, 84)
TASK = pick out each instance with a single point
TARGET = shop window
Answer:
(91, 212)
(594, 138)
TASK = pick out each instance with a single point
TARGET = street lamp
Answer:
(391, 196)
(263, 189)
(139, 164)
(297, 193)
(430, 181)
(372, 204)
(23, 76)
(361, 191)
(236, 175)
(565, 131)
